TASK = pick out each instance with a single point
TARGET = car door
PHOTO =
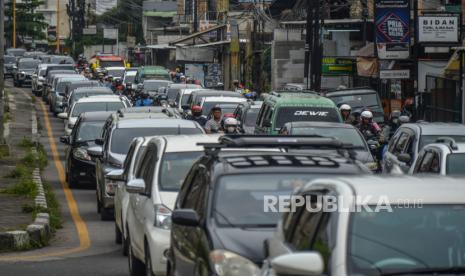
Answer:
(401, 141)
(120, 188)
(140, 201)
(188, 243)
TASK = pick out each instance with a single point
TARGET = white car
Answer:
(379, 226)
(130, 166)
(90, 104)
(445, 157)
(38, 78)
(183, 98)
(163, 167)
(116, 72)
(130, 77)
(227, 104)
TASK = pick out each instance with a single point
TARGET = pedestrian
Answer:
(214, 124)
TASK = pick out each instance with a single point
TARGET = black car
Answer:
(246, 114)
(9, 66)
(80, 167)
(24, 70)
(219, 223)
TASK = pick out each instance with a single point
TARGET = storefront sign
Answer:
(338, 66)
(392, 28)
(394, 74)
(110, 33)
(438, 28)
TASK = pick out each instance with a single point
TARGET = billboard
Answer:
(392, 22)
(439, 28)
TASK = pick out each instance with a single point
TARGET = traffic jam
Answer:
(204, 181)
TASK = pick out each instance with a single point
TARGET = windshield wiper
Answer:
(429, 270)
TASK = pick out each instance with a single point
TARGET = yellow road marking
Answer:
(81, 227)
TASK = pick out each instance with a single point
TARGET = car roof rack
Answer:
(279, 142)
(449, 141)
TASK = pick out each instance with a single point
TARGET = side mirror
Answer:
(116, 175)
(267, 123)
(404, 157)
(99, 141)
(63, 116)
(65, 139)
(310, 263)
(136, 186)
(185, 217)
(185, 107)
(95, 152)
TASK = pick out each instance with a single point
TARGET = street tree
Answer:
(29, 23)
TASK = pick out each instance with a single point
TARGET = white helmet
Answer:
(366, 115)
(230, 122)
(345, 107)
(404, 119)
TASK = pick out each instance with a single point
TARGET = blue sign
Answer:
(392, 18)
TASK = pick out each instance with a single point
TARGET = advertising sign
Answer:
(392, 28)
(394, 74)
(110, 33)
(439, 28)
(338, 66)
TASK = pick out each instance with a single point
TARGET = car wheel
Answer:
(148, 261)
(136, 267)
(71, 182)
(106, 214)
(118, 235)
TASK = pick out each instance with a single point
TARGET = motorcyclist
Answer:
(109, 82)
(369, 128)
(392, 125)
(144, 99)
(231, 126)
(346, 111)
(101, 78)
(118, 86)
(214, 124)
(197, 115)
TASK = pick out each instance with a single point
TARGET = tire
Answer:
(72, 183)
(106, 214)
(118, 235)
(136, 267)
(148, 261)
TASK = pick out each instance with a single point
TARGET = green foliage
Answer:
(26, 143)
(24, 187)
(28, 22)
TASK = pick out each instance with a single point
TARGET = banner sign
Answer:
(394, 74)
(439, 28)
(338, 66)
(392, 18)
(110, 33)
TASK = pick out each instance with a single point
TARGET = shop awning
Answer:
(211, 44)
(192, 36)
(164, 14)
(160, 46)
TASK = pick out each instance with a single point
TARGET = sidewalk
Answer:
(20, 127)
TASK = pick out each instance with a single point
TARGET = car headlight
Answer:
(162, 217)
(372, 166)
(81, 154)
(110, 186)
(227, 263)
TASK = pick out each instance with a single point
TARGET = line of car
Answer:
(187, 203)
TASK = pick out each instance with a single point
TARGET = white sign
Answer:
(394, 74)
(89, 31)
(438, 29)
(110, 33)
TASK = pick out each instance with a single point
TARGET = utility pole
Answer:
(58, 27)
(14, 24)
(2, 62)
(309, 44)
(317, 51)
(194, 11)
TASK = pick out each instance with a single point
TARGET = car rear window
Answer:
(306, 114)
(9, 60)
(345, 135)
(99, 106)
(456, 164)
(356, 101)
(122, 137)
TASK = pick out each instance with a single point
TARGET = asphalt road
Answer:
(85, 245)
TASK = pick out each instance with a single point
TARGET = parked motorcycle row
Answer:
(211, 182)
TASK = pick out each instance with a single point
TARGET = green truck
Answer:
(281, 108)
(152, 73)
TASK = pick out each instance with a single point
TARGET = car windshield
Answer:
(77, 96)
(115, 63)
(129, 78)
(249, 190)
(10, 60)
(29, 64)
(306, 114)
(174, 168)
(116, 73)
(345, 135)
(184, 99)
(225, 107)
(42, 72)
(456, 164)
(430, 139)
(406, 239)
(154, 85)
(89, 131)
(98, 106)
(173, 93)
(16, 52)
(251, 117)
(356, 101)
(61, 86)
(62, 60)
(122, 137)
(155, 76)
